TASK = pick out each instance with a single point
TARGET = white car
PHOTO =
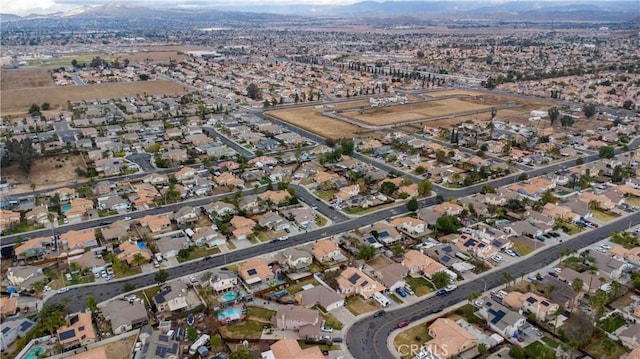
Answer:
(63, 290)
(450, 287)
(127, 218)
(557, 270)
(605, 246)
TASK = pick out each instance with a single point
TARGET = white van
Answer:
(381, 299)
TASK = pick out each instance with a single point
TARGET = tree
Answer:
(253, 91)
(578, 285)
(507, 278)
(598, 302)
(447, 224)
(23, 153)
(420, 54)
(241, 353)
(139, 259)
(627, 105)
(92, 305)
(607, 152)
(589, 110)
(579, 328)
(192, 334)
(366, 252)
(554, 114)
(482, 349)
(215, 341)
(347, 147)
(516, 352)
(440, 279)
(45, 106)
(412, 205)
(388, 188)
(34, 110)
(425, 187)
(128, 287)
(579, 161)
(161, 276)
(473, 296)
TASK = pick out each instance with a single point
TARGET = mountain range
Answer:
(615, 11)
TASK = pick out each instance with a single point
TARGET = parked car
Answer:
(379, 313)
(63, 290)
(408, 290)
(441, 292)
(450, 287)
(403, 324)
(401, 292)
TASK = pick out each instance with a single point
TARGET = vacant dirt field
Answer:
(311, 120)
(18, 101)
(21, 78)
(159, 53)
(44, 172)
(453, 92)
(416, 111)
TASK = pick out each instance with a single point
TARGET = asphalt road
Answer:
(143, 160)
(367, 338)
(210, 131)
(331, 213)
(65, 134)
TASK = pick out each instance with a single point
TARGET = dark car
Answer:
(336, 339)
(553, 274)
(379, 313)
(325, 352)
(441, 292)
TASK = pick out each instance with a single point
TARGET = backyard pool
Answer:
(66, 207)
(232, 314)
(227, 297)
(34, 353)
(142, 245)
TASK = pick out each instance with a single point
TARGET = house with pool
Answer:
(222, 281)
(232, 314)
(256, 271)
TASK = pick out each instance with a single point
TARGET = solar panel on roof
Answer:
(163, 338)
(498, 317)
(161, 352)
(446, 259)
(174, 348)
(371, 240)
(25, 326)
(81, 328)
(383, 234)
(481, 245)
(73, 320)
(5, 330)
(252, 271)
(67, 335)
(354, 278)
(364, 283)
(469, 243)
(497, 244)
(488, 304)
(545, 303)
(531, 300)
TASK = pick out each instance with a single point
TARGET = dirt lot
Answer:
(19, 100)
(309, 119)
(25, 78)
(44, 172)
(417, 111)
(452, 92)
(160, 54)
(120, 349)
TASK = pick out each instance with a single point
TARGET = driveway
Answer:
(143, 160)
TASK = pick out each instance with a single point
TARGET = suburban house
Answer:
(242, 227)
(353, 281)
(564, 295)
(591, 282)
(529, 302)
(65, 194)
(630, 337)
(78, 331)
(290, 349)
(322, 296)
(220, 209)
(255, 270)
(275, 197)
(386, 234)
(501, 319)
(78, 240)
(449, 339)
(34, 247)
(172, 297)
(409, 225)
(116, 231)
(223, 280)
(153, 341)
(38, 215)
(418, 263)
(325, 251)
(129, 251)
(295, 259)
(157, 223)
(11, 330)
(24, 276)
(608, 266)
(8, 307)
(208, 236)
(185, 215)
(125, 316)
(392, 276)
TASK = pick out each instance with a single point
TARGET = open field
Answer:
(309, 119)
(19, 100)
(12, 79)
(65, 61)
(417, 111)
(44, 172)
(452, 92)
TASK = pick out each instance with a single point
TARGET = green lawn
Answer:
(419, 285)
(602, 216)
(320, 221)
(304, 345)
(198, 252)
(261, 313)
(125, 270)
(331, 321)
(80, 279)
(22, 227)
(605, 348)
(633, 201)
(359, 210)
(326, 194)
(522, 248)
(538, 349)
(550, 342)
(245, 330)
(395, 298)
(612, 323)
(468, 311)
(297, 287)
(315, 267)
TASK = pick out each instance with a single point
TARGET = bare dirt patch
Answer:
(310, 119)
(19, 100)
(158, 54)
(22, 78)
(120, 349)
(44, 172)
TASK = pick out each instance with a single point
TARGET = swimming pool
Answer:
(66, 207)
(231, 314)
(142, 245)
(34, 353)
(227, 297)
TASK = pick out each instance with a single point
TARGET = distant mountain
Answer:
(9, 17)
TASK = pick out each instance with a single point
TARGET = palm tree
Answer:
(557, 315)
(506, 278)
(598, 302)
(139, 259)
(578, 286)
(594, 205)
(91, 303)
(473, 296)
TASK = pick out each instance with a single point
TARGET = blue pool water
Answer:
(227, 297)
(232, 313)
(34, 352)
(142, 245)
(66, 207)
